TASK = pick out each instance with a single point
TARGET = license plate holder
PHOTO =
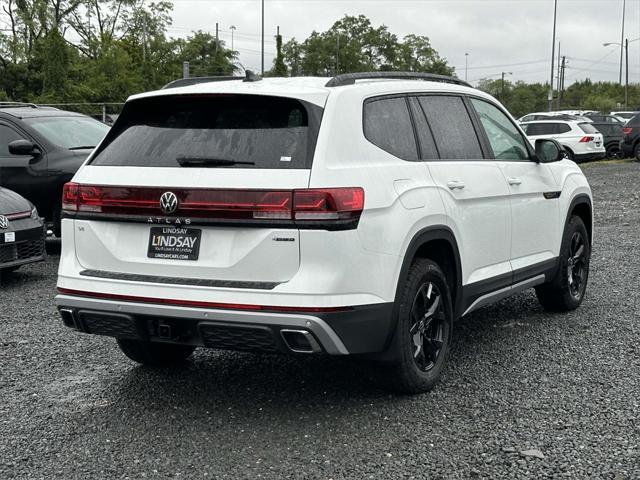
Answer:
(174, 243)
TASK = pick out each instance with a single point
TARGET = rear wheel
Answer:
(614, 152)
(567, 289)
(423, 332)
(155, 354)
(57, 220)
(568, 154)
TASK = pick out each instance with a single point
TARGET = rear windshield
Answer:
(236, 131)
(588, 128)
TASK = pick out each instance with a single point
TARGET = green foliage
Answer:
(123, 50)
(353, 44)
(522, 98)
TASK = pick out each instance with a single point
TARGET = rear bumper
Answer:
(360, 330)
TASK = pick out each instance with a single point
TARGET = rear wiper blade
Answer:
(83, 147)
(208, 162)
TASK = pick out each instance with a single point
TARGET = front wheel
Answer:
(567, 289)
(423, 333)
(637, 152)
(155, 354)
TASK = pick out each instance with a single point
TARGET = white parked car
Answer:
(360, 215)
(581, 140)
(550, 116)
(625, 115)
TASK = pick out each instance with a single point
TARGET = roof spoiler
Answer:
(250, 76)
(351, 78)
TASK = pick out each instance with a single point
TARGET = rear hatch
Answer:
(196, 187)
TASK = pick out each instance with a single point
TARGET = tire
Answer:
(636, 152)
(569, 154)
(566, 290)
(614, 152)
(155, 354)
(423, 333)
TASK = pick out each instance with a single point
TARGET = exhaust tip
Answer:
(68, 318)
(300, 341)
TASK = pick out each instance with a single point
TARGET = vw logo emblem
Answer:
(4, 222)
(168, 202)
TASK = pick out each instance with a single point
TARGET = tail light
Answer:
(627, 130)
(586, 139)
(332, 207)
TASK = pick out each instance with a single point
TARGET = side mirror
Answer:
(23, 147)
(548, 150)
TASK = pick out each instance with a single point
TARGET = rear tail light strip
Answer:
(198, 304)
(18, 216)
(310, 208)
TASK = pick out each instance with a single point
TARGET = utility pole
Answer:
(262, 37)
(338, 53)
(558, 83)
(502, 85)
(466, 67)
(217, 37)
(561, 89)
(624, 9)
(553, 53)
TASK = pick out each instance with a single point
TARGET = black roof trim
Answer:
(185, 82)
(350, 78)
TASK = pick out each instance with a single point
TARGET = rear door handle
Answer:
(514, 181)
(455, 185)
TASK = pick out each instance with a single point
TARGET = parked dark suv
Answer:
(40, 150)
(630, 143)
(612, 134)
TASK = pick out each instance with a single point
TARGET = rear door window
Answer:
(534, 129)
(452, 128)
(387, 125)
(238, 131)
(562, 128)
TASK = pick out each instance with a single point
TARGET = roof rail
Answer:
(184, 82)
(350, 78)
(17, 104)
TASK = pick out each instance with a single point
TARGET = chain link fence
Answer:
(105, 112)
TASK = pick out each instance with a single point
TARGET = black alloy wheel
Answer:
(427, 327)
(576, 265)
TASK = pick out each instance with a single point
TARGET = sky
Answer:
(512, 36)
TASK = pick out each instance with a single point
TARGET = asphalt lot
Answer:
(72, 406)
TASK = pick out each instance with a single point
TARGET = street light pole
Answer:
(624, 8)
(626, 83)
(466, 67)
(553, 53)
(502, 85)
(233, 29)
(263, 37)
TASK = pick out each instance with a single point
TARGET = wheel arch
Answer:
(436, 243)
(582, 207)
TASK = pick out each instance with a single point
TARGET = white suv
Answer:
(580, 140)
(361, 215)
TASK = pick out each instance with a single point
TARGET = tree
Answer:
(353, 44)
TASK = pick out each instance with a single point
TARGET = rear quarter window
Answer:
(252, 131)
(588, 128)
(387, 124)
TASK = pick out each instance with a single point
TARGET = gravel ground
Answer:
(562, 387)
